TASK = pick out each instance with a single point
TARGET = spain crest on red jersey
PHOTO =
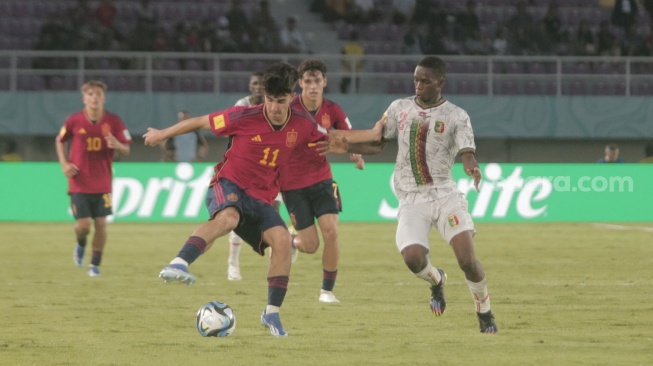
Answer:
(326, 121)
(291, 138)
(106, 129)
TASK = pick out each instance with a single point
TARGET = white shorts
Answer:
(448, 214)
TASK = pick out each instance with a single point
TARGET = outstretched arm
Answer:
(154, 136)
(373, 135)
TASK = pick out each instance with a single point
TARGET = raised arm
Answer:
(154, 136)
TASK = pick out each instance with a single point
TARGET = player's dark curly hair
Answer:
(434, 63)
(311, 66)
(280, 79)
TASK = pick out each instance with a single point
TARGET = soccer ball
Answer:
(216, 319)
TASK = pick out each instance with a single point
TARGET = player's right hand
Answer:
(70, 169)
(153, 137)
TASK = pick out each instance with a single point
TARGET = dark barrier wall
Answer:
(530, 117)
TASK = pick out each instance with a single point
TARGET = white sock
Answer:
(480, 295)
(178, 260)
(271, 309)
(234, 254)
(430, 274)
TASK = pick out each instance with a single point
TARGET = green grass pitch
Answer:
(562, 294)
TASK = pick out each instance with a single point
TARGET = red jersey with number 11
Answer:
(257, 150)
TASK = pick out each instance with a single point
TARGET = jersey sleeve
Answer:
(390, 128)
(341, 120)
(463, 133)
(66, 131)
(121, 132)
(223, 123)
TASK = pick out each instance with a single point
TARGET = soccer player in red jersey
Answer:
(94, 135)
(261, 140)
(307, 185)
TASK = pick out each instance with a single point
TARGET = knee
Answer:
(468, 265)
(309, 245)
(228, 218)
(415, 258)
(83, 226)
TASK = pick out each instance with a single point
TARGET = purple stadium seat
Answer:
(162, 84)
(4, 82)
(190, 85)
(506, 87)
(372, 33)
(195, 65)
(575, 87)
(602, 88)
(207, 85)
(229, 86)
(20, 9)
(397, 87)
(641, 88)
(170, 64)
(382, 66)
(533, 87)
(464, 87)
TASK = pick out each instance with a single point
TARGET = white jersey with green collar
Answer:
(429, 140)
(244, 102)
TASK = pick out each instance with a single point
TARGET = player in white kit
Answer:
(256, 97)
(431, 132)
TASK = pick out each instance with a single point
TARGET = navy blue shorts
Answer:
(255, 216)
(305, 204)
(90, 205)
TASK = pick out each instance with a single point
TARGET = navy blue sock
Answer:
(277, 288)
(192, 249)
(81, 242)
(96, 258)
(329, 279)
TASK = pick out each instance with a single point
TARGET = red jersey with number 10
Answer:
(257, 150)
(89, 150)
(307, 166)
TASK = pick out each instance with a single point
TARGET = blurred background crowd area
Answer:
(444, 27)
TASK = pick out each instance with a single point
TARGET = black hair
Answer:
(311, 66)
(434, 63)
(280, 79)
(257, 73)
(612, 147)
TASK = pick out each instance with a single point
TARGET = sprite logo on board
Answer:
(499, 192)
(132, 196)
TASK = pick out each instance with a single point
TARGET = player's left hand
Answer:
(475, 173)
(112, 141)
(358, 159)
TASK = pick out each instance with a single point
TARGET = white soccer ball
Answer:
(216, 319)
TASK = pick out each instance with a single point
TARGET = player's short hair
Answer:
(612, 147)
(280, 79)
(434, 63)
(312, 66)
(93, 84)
(257, 73)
